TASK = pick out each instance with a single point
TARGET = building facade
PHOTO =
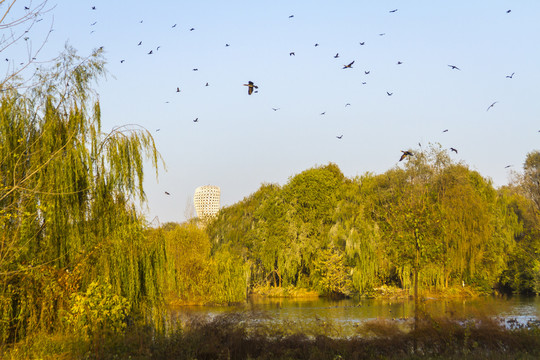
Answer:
(206, 201)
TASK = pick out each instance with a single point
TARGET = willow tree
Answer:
(523, 273)
(66, 197)
(477, 229)
(531, 178)
(444, 220)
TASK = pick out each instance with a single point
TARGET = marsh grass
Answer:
(256, 336)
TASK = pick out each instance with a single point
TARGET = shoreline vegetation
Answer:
(239, 336)
(382, 292)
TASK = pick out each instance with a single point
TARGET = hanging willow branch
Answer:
(66, 195)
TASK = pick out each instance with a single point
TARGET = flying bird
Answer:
(389, 93)
(349, 66)
(196, 120)
(367, 72)
(227, 45)
(167, 193)
(510, 76)
(150, 52)
(173, 26)
(94, 23)
(316, 45)
(507, 166)
(382, 34)
(454, 150)
(122, 61)
(206, 84)
(251, 86)
(323, 113)
(399, 63)
(393, 11)
(177, 89)
(493, 104)
(339, 137)
(454, 67)
(336, 56)
(191, 29)
(93, 8)
(362, 43)
(347, 104)
(405, 154)
(292, 54)
(291, 16)
(275, 109)
(445, 130)
(508, 11)
(195, 69)
(140, 43)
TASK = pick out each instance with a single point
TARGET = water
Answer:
(348, 313)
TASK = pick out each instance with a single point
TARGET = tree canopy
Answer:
(324, 231)
(66, 197)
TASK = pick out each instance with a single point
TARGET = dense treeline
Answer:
(324, 231)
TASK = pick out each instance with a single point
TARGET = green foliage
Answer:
(522, 272)
(189, 248)
(530, 183)
(229, 278)
(66, 192)
(320, 227)
(191, 274)
(97, 309)
(280, 229)
(331, 274)
(452, 215)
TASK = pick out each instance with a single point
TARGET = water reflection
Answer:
(349, 313)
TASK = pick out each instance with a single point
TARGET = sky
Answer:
(240, 142)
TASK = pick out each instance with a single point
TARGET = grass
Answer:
(246, 336)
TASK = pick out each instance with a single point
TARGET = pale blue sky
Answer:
(239, 142)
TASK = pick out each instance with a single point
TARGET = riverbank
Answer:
(236, 336)
(455, 292)
(284, 292)
(383, 292)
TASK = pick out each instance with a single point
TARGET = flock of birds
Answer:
(252, 88)
(405, 153)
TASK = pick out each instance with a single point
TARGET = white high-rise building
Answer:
(206, 201)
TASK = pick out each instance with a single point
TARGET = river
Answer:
(348, 313)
